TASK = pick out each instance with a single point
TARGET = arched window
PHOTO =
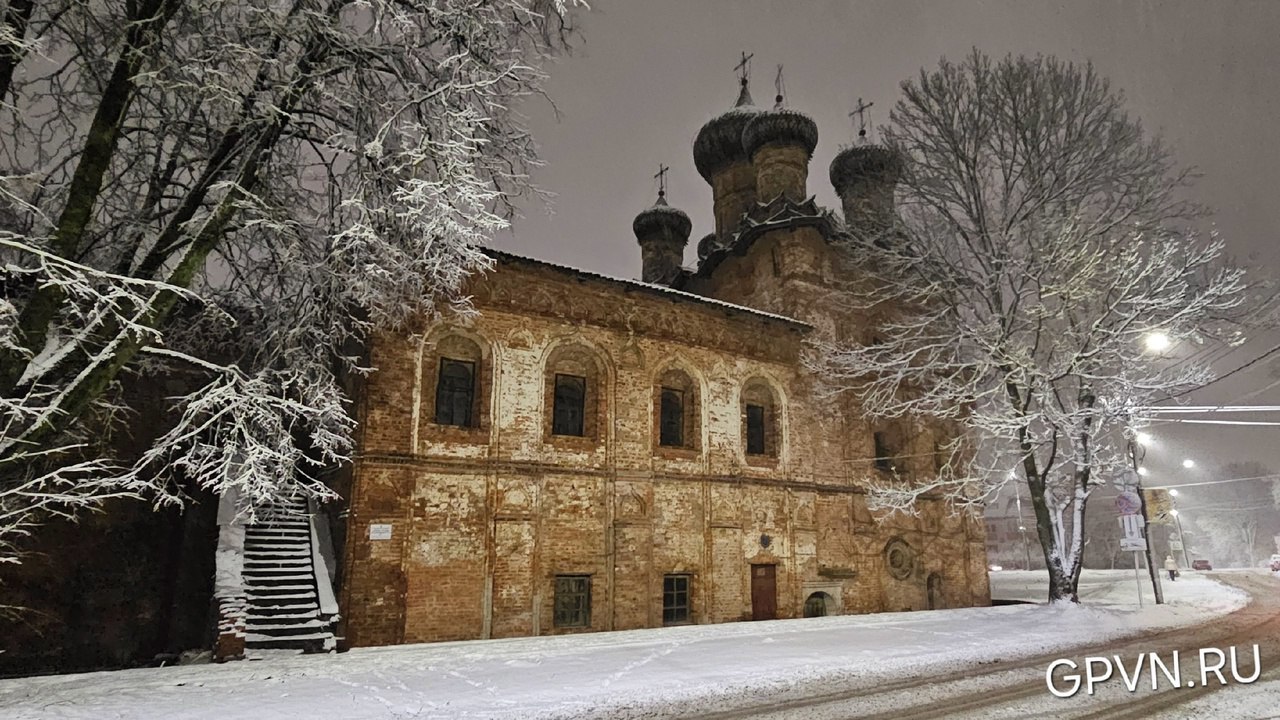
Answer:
(455, 392)
(760, 435)
(574, 393)
(677, 398)
(455, 377)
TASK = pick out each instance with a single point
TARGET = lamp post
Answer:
(1022, 528)
(1146, 526)
(1177, 518)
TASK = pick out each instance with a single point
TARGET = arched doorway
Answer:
(818, 604)
(935, 592)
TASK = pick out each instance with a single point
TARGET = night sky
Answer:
(646, 74)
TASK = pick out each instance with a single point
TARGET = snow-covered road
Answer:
(669, 672)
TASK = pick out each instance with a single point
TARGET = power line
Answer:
(1220, 378)
(1195, 409)
(1213, 482)
(1267, 423)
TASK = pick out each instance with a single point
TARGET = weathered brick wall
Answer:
(483, 519)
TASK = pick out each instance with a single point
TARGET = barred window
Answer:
(570, 405)
(455, 392)
(675, 599)
(573, 601)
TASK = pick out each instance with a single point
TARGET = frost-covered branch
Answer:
(237, 193)
(1041, 237)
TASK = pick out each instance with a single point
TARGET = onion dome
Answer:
(863, 162)
(719, 142)
(706, 245)
(780, 125)
(662, 221)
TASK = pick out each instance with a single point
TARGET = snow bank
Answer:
(650, 673)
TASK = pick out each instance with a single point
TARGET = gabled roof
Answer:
(647, 288)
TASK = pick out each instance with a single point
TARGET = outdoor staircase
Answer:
(285, 605)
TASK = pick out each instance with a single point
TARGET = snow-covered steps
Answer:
(280, 583)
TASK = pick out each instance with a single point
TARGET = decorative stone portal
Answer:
(822, 598)
(819, 604)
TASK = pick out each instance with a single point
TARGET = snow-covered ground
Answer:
(642, 672)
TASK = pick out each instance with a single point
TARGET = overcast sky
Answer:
(647, 74)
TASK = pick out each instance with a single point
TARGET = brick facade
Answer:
(484, 519)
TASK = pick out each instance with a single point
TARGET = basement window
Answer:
(675, 599)
(573, 601)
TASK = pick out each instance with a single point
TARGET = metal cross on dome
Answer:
(744, 67)
(860, 111)
(662, 179)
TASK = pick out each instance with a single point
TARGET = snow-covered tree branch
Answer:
(1041, 236)
(317, 168)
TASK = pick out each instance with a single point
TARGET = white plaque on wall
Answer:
(380, 531)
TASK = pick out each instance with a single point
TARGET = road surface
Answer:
(1018, 689)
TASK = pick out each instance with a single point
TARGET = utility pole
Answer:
(1186, 561)
(1146, 527)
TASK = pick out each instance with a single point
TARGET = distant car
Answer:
(1201, 565)
(1275, 563)
(995, 568)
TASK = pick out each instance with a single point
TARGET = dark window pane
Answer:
(884, 456)
(455, 392)
(755, 430)
(671, 418)
(570, 400)
(675, 599)
(573, 601)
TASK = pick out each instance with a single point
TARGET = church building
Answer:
(591, 453)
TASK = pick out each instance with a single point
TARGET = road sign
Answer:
(1128, 503)
(1129, 544)
(1131, 525)
(1175, 545)
(1159, 505)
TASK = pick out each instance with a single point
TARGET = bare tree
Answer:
(1040, 237)
(324, 168)
(1237, 519)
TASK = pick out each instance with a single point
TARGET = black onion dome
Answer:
(864, 161)
(719, 142)
(662, 217)
(782, 125)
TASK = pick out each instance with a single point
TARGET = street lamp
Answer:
(1188, 463)
(1143, 471)
(1143, 438)
(1157, 341)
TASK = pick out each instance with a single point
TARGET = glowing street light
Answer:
(1173, 492)
(1143, 438)
(1143, 471)
(1188, 463)
(1157, 341)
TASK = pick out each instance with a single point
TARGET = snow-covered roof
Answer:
(661, 290)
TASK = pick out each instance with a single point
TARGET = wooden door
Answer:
(764, 592)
